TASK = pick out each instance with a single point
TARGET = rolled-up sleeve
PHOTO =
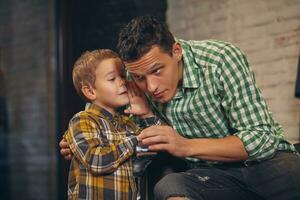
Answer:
(245, 107)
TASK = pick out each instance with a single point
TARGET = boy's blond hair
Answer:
(84, 69)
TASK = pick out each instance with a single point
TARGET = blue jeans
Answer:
(274, 179)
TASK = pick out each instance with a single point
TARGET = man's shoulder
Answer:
(210, 45)
(204, 52)
(205, 43)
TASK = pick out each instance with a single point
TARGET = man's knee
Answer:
(172, 185)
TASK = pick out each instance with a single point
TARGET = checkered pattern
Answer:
(219, 97)
(102, 145)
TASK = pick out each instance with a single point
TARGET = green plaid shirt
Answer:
(102, 144)
(218, 97)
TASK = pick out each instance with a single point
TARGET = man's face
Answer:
(157, 73)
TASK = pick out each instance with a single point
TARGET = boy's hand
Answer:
(138, 103)
(65, 150)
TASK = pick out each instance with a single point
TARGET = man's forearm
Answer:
(226, 149)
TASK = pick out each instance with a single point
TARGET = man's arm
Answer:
(256, 134)
(165, 138)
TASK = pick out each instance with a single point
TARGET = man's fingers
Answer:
(158, 147)
(65, 152)
(68, 157)
(152, 131)
(63, 144)
(154, 140)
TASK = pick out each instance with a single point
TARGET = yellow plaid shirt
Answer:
(101, 143)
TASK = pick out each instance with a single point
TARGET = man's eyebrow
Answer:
(155, 66)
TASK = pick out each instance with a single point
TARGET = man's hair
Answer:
(140, 34)
(84, 69)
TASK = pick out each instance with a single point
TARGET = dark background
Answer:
(89, 25)
(39, 41)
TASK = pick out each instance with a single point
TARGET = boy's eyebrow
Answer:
(109, 73)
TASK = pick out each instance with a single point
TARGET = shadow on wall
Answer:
(297, 94)
(4, 162)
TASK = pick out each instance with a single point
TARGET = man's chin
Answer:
(162, 100)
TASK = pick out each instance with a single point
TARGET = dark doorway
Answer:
(88, 25)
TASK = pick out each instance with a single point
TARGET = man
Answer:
(218, 121)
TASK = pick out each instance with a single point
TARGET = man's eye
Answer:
(138, 77)
(156, 71)
(112, 79)
(123, 75)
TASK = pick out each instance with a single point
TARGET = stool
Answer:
(140, 165)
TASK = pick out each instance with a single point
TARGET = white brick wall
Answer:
(268, 31)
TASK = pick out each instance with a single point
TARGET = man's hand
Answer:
(65, 150)
(164, 138)
(138, 103)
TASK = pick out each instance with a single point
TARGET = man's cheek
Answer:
(142, 87)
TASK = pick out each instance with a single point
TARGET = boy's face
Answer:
(157, 73)
(109, 89)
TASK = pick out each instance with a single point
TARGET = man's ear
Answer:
(88, 92)
(177, 51)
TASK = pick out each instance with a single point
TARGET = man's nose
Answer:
(151, 85)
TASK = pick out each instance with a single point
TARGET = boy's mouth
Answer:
(124, 92)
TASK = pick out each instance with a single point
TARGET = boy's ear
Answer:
(177, 50)
(88, 92)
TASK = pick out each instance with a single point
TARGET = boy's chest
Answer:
(117, 132)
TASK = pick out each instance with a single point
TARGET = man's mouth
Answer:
(158, 95)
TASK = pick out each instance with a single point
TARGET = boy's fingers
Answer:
(130, 90)
(134, 89)
(137, 90)
(127, 110)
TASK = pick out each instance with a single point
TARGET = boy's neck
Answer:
(112, 111)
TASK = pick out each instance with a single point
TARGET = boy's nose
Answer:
(122, 82)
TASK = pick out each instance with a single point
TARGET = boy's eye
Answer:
(112, 79)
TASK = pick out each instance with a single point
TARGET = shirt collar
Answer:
(99, 111)
(190, 76)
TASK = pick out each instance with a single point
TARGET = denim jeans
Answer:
(275, 179)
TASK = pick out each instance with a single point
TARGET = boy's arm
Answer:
(139, 106)
(94, 151)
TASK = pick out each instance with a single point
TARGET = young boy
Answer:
(101, 139)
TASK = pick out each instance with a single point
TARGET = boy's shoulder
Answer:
(87, 117)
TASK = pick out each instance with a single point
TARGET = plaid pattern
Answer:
(219, 97)
(102, 145)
